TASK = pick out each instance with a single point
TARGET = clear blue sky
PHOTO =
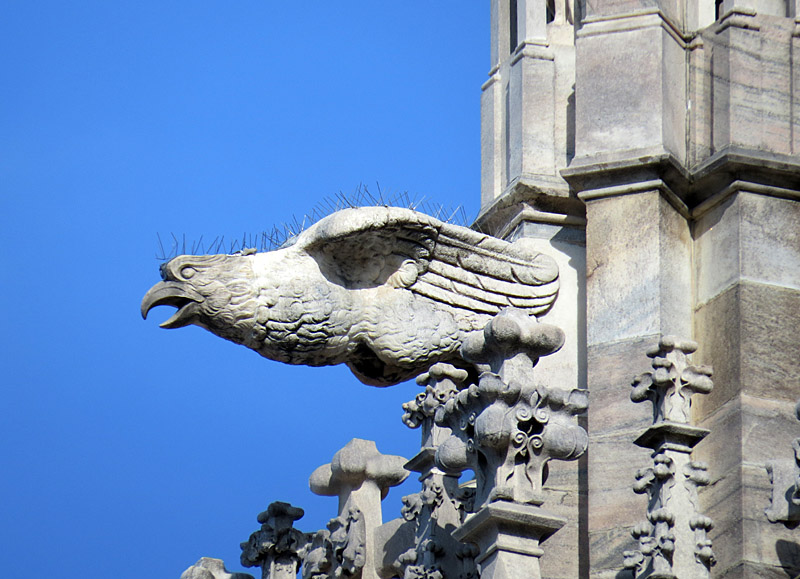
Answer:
(129, 451)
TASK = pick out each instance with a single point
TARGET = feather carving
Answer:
(385, 290)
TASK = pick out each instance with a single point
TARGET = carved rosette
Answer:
(784, 477)
(506, 427)
(673, 541)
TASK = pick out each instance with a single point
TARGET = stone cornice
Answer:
(646, 18)
(523, 201)
(728, 170)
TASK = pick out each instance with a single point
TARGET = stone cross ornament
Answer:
(387, 291)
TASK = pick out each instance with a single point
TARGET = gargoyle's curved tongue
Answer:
(176, 294)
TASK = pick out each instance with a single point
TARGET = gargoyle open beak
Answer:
(176, 294)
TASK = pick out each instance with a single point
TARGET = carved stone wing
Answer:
(484, 274)
(449, 264)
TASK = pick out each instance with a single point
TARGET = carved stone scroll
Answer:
(673, 541)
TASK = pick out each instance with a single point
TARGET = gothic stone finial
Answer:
(361, 477)
(673, 540)
(506, 427)
(672, 381)
(514, 424)
(277, 547)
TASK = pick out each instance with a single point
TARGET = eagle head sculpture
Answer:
(385, 290)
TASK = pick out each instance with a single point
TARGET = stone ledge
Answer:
(729, 170)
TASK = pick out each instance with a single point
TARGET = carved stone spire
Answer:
(673, 540)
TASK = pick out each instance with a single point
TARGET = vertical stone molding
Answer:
(361, 477)
(277, 547)
(784, 477)
(505, 428)
(673, 541)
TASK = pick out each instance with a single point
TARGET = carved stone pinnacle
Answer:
(673, 541)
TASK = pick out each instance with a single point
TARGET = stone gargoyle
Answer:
(387, 291)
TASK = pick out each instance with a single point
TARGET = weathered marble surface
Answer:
(388, 291)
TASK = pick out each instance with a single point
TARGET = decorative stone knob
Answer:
(361, 477)
(359, 462)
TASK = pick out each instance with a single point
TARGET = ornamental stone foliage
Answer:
(277, 547)
(506, 427)
(673, 541)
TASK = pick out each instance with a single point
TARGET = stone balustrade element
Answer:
(784, 476)
(208, 568)
(673, 541)
(361, 477)
(277, 547)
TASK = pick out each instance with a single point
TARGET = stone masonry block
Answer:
(765, 543)
(637, 237)
(750, 334)
(612, 369)
(721, 449)
(613, 462)
(717, 331)
(747, 237)
(619, 106)
(716, 250)
(607, 547)
(770, 240)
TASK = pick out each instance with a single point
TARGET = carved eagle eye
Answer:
(188, 272)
